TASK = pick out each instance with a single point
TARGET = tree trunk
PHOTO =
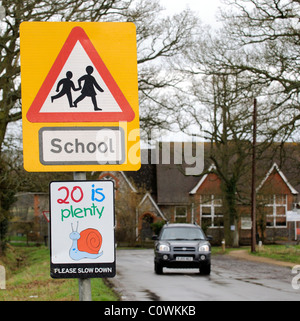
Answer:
(231, 231)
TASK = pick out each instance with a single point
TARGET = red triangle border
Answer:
(35, 116)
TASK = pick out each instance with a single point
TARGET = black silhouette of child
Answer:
(88, 88)
(67, 84)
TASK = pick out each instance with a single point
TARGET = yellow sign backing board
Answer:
(79, 96)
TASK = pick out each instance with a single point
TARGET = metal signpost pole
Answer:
(253, 193)
(85, 291)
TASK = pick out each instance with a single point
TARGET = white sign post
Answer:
(293, 216)
(82, 229)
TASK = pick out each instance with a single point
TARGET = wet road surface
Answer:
(231, 279)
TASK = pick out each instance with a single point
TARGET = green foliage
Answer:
(156, 227)
(28, 279)
(286, 253)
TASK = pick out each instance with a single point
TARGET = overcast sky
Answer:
(206, 9)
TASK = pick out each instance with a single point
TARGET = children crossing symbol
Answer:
(87, 91)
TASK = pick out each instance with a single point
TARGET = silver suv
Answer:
(182, 246)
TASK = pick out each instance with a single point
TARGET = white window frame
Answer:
(212, 207)
(274, 215)
(180, 216)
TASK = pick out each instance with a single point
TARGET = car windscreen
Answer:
(182, 233)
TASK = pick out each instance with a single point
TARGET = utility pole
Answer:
(253, 192)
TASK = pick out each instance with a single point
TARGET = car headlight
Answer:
(204, 248)
(163, 248)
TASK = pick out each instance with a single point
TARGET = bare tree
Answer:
(254, 54)
(159, 38)
(222, 112)
(218, 106)
(265, 34)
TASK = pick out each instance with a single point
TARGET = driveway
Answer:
(231, 279)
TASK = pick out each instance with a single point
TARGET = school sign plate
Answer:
(79, 96)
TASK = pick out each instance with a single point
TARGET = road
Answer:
(231, 279)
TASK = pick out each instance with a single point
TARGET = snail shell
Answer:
(90, 241)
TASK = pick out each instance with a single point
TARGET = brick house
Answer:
(161, 192)
(276, 199)
(29, 216)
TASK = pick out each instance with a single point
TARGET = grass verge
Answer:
(286, 253)
(28, 279)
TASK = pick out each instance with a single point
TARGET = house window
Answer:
(180, 214)
(275, 208)
(211, 213)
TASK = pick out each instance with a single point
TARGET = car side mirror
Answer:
(209, 237)
(154, 237)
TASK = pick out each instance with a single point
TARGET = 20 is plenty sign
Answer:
(82, 229)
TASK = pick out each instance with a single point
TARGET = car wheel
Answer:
(158, 268)
(205, 270)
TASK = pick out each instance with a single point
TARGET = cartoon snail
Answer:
(87, 244)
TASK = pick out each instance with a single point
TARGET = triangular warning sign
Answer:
(79, 87)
